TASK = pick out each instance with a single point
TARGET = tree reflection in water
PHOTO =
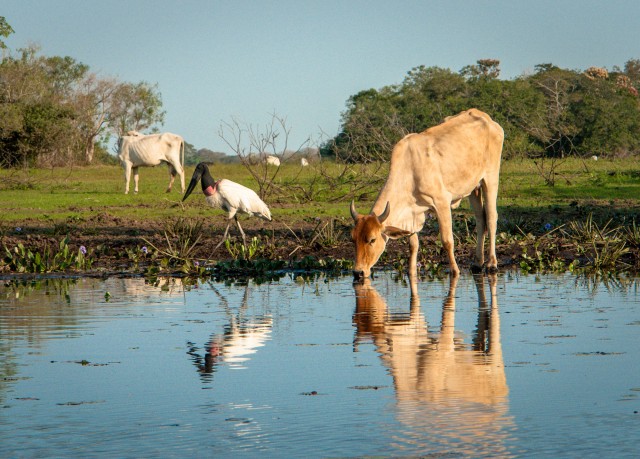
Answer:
(448, 393)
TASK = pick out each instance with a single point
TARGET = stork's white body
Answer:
(234, 198)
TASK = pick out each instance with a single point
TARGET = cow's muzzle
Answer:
(358, 276)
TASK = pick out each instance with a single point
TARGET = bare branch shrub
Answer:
(253, 144)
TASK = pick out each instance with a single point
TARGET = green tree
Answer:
(370, 127)
(54, 111)
(428, 95)
(37, 126)
(606, 114)
(5, 31)
(94, 100)
(135, 107)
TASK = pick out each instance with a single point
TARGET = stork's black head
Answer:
(201, 172)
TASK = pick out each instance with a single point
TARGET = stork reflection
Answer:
(241, 337)
(448, 393)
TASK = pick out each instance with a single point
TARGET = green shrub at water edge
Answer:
(23, 260)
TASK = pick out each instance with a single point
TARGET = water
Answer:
(546, 366)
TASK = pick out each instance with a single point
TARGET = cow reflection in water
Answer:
(449, 394)
(241, 338)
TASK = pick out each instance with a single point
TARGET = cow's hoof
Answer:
(492, 269)
(475, 269)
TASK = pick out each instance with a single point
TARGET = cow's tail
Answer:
(182, 155)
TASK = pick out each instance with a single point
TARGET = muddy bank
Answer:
(118, 245)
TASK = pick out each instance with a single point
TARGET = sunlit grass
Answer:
(84, 192)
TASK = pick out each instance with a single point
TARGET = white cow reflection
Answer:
(451, 396)
(240, 339)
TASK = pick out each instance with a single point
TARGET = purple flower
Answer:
(548, 226)
(196, 263)
(144, 249)
(83, 250)
(18, 229)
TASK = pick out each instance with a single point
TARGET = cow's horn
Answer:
(385, 213)
(354, 212)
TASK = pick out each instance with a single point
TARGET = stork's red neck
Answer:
(211, 190)
(209, 185)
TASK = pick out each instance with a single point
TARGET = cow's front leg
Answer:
(127, 176)
(135, 179)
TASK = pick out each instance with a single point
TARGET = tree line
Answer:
(56, 111)
(552, 112)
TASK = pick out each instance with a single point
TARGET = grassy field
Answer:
(587, 220)
(51, 196)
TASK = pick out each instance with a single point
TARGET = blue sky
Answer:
(218, 60)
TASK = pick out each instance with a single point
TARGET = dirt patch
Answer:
(110, 238)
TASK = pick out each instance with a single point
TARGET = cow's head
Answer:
(370, 236)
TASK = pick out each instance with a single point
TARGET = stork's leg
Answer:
(226, 232)
(244, 239)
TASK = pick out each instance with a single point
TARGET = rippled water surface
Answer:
(518, 366)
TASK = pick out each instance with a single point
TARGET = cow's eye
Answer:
(372, 241)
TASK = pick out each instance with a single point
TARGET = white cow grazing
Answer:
(137, 150)
(273, 161)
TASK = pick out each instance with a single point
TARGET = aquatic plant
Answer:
(24, 260)
(326, 233)
(602, 246)
(138, 254)
(181, 237)
(238, 250)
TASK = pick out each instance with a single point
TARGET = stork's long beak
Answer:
(194, 181)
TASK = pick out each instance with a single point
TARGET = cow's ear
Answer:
(395, 233)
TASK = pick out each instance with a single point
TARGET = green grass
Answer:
(53, 196)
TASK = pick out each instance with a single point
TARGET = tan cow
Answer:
(135, 150)
(448, 392)
(433, 171)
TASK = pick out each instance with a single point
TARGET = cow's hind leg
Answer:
(443, 210)
(414, 245)
(175, 168)
(475, 198)
(490, 195)
(172, 176)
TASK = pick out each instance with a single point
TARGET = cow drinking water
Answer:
(431, 172)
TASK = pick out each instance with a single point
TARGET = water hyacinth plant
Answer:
(23, 260)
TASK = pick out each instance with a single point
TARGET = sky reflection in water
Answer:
(515, 366)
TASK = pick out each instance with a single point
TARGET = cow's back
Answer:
(151, 150)
(456, 154)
